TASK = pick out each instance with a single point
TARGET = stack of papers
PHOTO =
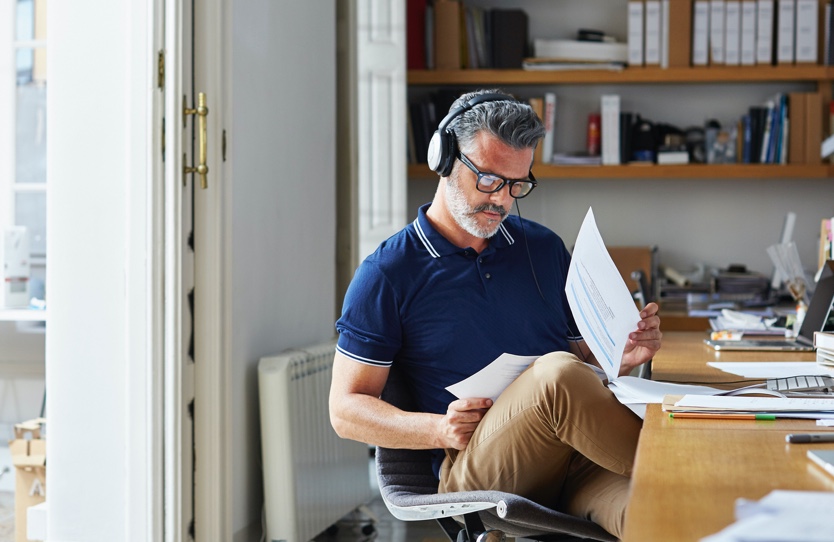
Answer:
(781, 516)
(824, 343)
(747, 323)
(788, 407)
(636, 393)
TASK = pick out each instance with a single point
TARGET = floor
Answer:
(377, 523)
(358, 527)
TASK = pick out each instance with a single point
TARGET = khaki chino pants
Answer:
(556, 436)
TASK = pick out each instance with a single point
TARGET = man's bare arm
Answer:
(357, 412)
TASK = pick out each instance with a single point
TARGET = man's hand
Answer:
(460, 421)
(644, 343)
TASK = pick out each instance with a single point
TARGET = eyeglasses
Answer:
(490, 182)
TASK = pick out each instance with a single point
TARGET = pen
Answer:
(715, 416)
(804, 438)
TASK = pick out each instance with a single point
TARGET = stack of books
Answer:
(559, 54)
(824, 343)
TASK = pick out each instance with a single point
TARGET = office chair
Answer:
(409, 489)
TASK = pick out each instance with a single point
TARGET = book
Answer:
(664, 33)
(430, 65)
(549, 142)
(824, 340)
(509, 32)
(680, 33)
(626, 127)
(700, 33)
(785, 21)
(796, 139)
(447, 35)
(826, 45)
(764, 31)
(716, 32)
(746, 138)
(651, 47)
(758, 118)
(747, 52)
(807, 17)
(610, 116)
(548, 64)
(635, 33)
(580, 51)
(732, 33)
(415, 34)
(813, 127)
(537, 104)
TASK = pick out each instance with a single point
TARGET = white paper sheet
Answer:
(492, 379)
(771, 369)
(599, 298)
(630, 389)
(755, 404)
(781, 516)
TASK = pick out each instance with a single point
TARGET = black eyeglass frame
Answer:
(531, 180)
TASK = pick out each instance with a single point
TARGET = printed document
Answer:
(492, 379)
(602, 306)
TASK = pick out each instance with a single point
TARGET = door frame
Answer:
(212, 506)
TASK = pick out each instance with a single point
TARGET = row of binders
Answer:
(681, 33)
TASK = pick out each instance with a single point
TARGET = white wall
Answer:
(283, 228)
(96, 349)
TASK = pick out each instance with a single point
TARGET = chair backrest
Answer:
(396, 466)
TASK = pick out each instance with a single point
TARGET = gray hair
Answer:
(513, 123)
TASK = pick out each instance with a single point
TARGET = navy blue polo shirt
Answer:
(442, 313)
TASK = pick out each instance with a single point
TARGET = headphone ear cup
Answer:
(441, 155)
(435, 152)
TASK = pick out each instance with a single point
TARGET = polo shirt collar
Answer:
(439, 246)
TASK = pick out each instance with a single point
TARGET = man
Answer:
(462, 284)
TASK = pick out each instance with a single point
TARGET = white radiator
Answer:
(312, 478)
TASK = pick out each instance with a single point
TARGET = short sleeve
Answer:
(370, 329)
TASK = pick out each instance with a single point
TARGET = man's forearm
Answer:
(373, 421)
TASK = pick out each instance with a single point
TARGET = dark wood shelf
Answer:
(714, 74)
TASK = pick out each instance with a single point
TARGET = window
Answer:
(23, 145)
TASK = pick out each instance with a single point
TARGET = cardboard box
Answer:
(28, 450)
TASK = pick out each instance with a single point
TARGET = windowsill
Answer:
(22, 315)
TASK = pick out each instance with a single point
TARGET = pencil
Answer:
(718, 416)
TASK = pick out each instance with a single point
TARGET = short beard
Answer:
(465, 216)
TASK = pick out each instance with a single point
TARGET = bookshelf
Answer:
(820, 76)
(713, 78)
(723, 213)
(749, 74)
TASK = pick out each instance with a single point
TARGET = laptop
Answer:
(820, 317)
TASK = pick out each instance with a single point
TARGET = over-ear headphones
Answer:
(443, 144)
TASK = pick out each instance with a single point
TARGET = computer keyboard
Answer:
(806, 383)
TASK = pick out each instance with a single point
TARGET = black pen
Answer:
(805, 438)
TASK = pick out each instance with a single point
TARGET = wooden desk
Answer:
(689, 473)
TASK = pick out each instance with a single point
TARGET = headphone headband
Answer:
(441, 155)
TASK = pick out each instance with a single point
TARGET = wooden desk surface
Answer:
(689, 473)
